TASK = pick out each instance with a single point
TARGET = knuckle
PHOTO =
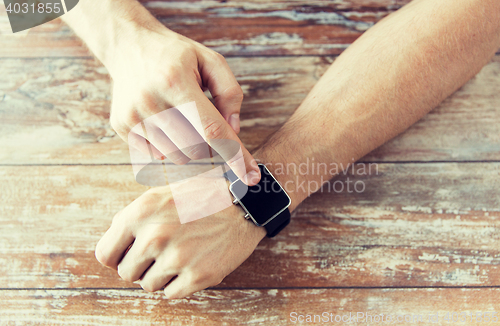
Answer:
(235, 93)
(131, 119)
(197, 152)
(157, 196)
(217, 280)
(116, 219)
(214, 129)
(154, 244)
(147, 104)
(101, 257)
(178, 259)
(118, 126)
(148, 199)
(203, 278)
(171, 76)
(124, 117)
(186, 47)
(219, 57)
(129, 222)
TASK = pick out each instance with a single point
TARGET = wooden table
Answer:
(421, 239)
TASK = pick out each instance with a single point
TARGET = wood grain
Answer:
(233, 28)
(433, 224)
(56, 111)
(245, 307)
(421, 238)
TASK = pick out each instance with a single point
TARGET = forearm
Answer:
(383, 83)
(109, 27)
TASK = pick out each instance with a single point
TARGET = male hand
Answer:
(155, 69)
(159, 70)
(189, 257)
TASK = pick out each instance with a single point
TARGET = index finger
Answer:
(210, 124)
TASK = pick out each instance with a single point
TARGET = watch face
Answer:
(264, 200)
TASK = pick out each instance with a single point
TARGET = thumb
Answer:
(222, 84)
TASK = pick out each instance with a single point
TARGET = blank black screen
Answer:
(263, 200)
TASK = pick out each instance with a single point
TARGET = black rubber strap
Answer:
(274, 226)
(278, 223)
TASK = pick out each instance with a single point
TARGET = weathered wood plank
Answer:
(413, 225)
(249, 307)
(57, 110)
(233, 28)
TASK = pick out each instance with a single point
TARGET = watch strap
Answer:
(278, 223)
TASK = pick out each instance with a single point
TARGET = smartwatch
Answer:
(265, 204)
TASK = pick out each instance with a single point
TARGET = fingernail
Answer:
(234, 122)
(252, 178)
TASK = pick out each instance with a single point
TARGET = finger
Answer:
(120, 236)
(123, 115)
(225, 90)
(135, 262)
(156, 278)
(180, 133)
(160, 140)
(182, 286)
(141, 144)
(112, 246)
(220, 137)
(142, 154)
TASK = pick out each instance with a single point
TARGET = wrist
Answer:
(252, 232)
(132, 44)
(131, 38)
(113, 28)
